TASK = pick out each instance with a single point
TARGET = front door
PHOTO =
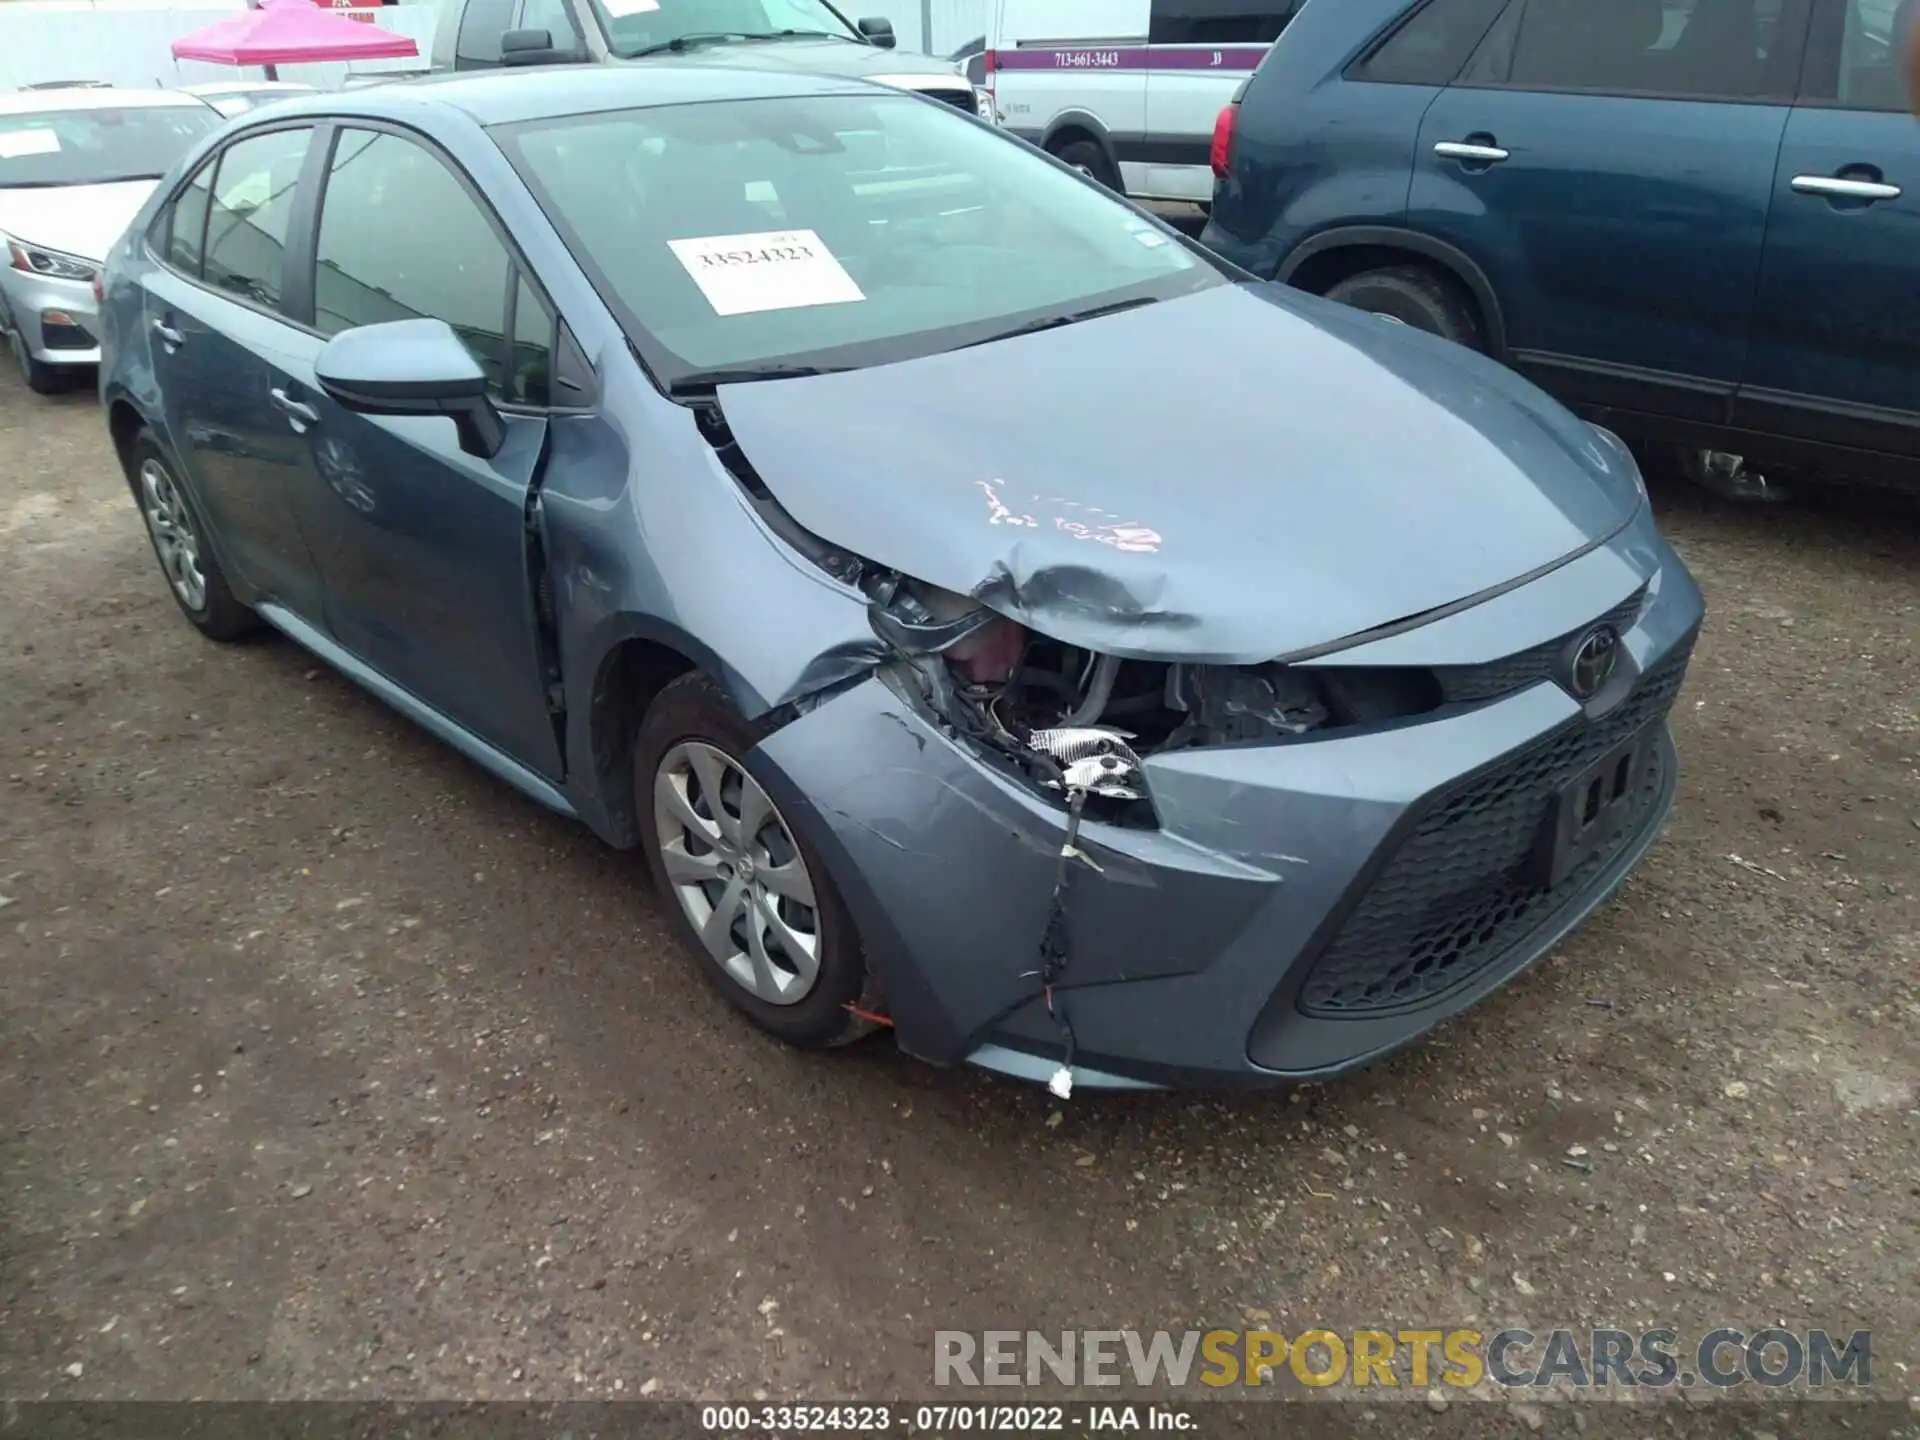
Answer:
(1609, 165)
(424, 548)
(214, 329)
(1836, 334)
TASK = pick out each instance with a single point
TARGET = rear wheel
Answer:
(1416, 296)
(753, 903)
(1089, 159)
(179, 543)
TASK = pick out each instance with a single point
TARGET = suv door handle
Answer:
(1835, 187)
(299, 415)
(1466, 150)
(169, 337)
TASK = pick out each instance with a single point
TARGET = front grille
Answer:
(1468, 684)
(962, 99)
(1461, 890)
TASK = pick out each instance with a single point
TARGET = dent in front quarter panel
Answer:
(648, 536)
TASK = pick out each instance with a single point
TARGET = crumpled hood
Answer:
(80, 220)
(817, 57)
(1227, 477)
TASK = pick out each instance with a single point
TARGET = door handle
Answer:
(1466, 150)
(1834, 187)
(301, 415)
(169, 337)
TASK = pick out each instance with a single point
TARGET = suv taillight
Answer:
(1221, 156)
(99, 289)
(988, 65)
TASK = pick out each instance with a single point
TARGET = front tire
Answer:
(41, 378)
(752, 902)
(179, 544)
(1414, 296)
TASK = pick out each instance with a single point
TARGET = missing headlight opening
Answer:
(1074, 720)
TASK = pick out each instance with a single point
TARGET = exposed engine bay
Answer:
(1077, 721)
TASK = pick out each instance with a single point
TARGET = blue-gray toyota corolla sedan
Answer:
(994, 617)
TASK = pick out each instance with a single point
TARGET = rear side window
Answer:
(482, 24)
(1220, 22)
(253, 192)
(1854, 56)
(1693, 49)
(1431, 45)
(186, 229)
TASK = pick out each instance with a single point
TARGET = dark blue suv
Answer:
(1695, 221)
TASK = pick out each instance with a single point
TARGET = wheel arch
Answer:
(1071, 125)
(1326, 259)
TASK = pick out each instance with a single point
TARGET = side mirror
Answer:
(533, 47)
(878, 30)
(413, 367)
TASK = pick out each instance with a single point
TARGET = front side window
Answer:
(186, 226)
(636, 25)
(97, 146)
(444, 262)
(1695, 49)
(551, 16)
(253, 193)
(853, 229)
(481, 26)
(1431, 45)
(1219, 22)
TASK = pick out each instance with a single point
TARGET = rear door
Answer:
(1078, 65)
(1609, 165)
(1198, 52)
(424, 548)
(1835, 355)
(216, 328)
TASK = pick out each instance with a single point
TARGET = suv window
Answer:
(253, 192)
(551, 16)
(447, 262)
(481, 26)
(186, 228)
(1219, 22)
(1699, 49)
(1431, 45)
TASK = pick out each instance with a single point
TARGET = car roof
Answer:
(540, 92)
(40, 102)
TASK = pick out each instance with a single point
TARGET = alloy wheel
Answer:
(738, 874)
(174, 538)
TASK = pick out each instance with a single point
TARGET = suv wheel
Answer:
(1413, 296)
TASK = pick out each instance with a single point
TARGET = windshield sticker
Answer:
(620, 9)
(1152, 239)
(15, 143)
(772, 270)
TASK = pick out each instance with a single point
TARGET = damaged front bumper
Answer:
(1300, 908)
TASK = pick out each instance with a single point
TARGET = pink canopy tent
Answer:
(290, 32)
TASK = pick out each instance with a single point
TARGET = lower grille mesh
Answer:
(1459, 893)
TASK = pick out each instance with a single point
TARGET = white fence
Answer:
(128, 43)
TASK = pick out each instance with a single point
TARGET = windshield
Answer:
(636, 25)
(836, 230)
(92, 147)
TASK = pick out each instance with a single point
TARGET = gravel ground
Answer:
(331, 1067)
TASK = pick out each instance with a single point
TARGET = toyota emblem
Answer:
(1594, 659)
